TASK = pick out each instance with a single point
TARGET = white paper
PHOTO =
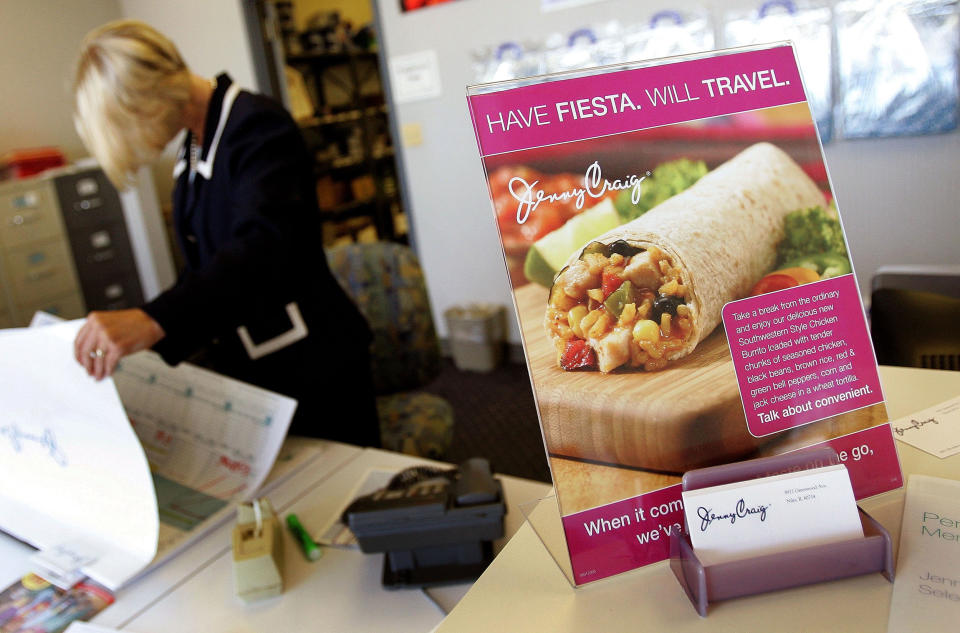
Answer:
(772, 514)
(415, 76)
(935, 430)
(62, 564)
(926, 592)
(84, 627)
(210, 440)
(71, 468)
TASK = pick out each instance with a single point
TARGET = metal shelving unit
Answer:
(351, 137)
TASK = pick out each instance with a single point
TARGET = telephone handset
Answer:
(436, 525)
(419, 488)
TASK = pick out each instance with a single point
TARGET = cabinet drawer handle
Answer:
(87, 204)
(23, 218)
(39, 275)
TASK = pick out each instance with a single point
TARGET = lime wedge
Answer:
(548, 254)
(536, 268)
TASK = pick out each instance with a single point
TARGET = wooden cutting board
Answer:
(686, 416)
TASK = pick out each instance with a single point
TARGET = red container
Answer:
(23, 163)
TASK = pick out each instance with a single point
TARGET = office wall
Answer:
(898, 196)
(212, 38)
(38, 45)
(211, 34)
(39, 40)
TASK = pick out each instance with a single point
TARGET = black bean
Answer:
(668, 304)
(623, 248)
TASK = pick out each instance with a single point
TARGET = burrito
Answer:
(647, 292)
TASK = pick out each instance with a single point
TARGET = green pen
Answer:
(310, 549)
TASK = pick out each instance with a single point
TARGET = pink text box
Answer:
(836, 367)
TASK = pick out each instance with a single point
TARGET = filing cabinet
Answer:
(98, 237)
(28, 212)
(64, 247)
(68, 306)
(39, 269)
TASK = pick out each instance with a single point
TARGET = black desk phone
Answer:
(436, 525)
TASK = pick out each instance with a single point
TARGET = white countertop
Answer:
(524, 589)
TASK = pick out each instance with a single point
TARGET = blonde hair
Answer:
(130, 89)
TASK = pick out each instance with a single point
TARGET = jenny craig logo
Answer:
(740, 511)
(595, 186)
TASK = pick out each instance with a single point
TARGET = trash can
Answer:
(476, 335)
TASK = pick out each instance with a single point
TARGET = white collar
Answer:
(205, 167)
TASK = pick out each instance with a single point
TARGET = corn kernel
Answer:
(574, 317)
(587, 322)
(669, 288)
(600, 327)
(646, 330)
(654, 350)
(643, 311)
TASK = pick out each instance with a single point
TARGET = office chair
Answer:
(387, 284)
(912, 328)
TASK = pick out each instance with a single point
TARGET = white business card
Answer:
(772, 514)
(62, 565)
(935, 430)
(84, 627)
(926, 593)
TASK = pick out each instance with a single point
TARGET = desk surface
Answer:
(525, 590)
(522, 590)
(340, 592)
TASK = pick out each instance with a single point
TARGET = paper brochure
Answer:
(33, 605)
(682, 283)
(73, 469)
(121, 474)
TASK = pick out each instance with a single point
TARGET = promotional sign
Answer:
(682, 283)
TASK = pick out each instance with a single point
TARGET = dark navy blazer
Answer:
(256, 293)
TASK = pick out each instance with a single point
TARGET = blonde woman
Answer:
(256, 295)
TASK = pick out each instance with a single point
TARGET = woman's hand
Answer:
(107, 337)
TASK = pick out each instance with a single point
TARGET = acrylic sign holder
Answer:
(706, 584)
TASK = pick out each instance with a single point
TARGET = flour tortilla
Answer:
(723, 231)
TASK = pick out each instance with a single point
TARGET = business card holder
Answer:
(704, 584)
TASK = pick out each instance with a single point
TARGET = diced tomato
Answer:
(506, 208)
(560, 183)
(785, 278)
(501, 177)
(610, 281)
(542, 220)
(772, 282)
(548, 216)
(578, 355)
